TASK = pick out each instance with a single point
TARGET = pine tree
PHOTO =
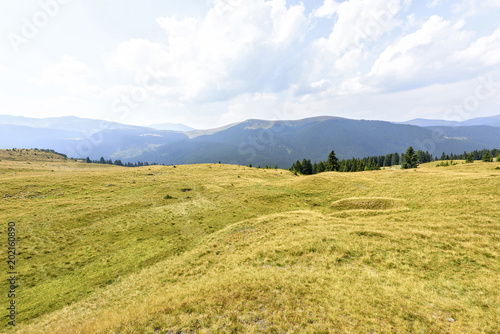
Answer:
(487, 157)
(332, 163)
(307, 167)
(297, 167)
(410, 159)
(395, 159)
(321, 167)
(470, 158)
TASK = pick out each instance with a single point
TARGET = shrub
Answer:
(168, 197)
(487, 158)
(470, 158)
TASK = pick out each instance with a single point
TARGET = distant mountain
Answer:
(263, 142)
(258, 142)
(125, 143)
(429, 122)
(172, 127)
(489, 121)
(66, 123)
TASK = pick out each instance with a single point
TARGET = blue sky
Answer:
(210, 63)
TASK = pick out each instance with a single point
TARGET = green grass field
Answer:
(222, 248)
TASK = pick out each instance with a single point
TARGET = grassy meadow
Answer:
(213, 248)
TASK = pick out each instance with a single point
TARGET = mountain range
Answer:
(489, 121)
(258, 142)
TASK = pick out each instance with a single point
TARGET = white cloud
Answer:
(490, 4)
(433, 3)
(234, 48)
(70, 73)
(421, 56)
(64, 72)
(174, 27)
(469, 8)
(362, 21)
(484, 51)
(134, 54)
(344, 55)
(328, 8)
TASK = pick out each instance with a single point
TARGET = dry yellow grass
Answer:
(253, 250)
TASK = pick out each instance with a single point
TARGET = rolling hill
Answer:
(225, 248)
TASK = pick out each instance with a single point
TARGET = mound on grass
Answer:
(369, 203)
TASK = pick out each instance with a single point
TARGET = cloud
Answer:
(468, 8)
(70, 73)
(134, 54)
(328, 8)
(239, 46)
(433, 3)
(484, 51)
(421, 57)
(342, 56)
(360, 22)
(490, 4)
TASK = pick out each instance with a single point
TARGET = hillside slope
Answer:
(283, 142)
(221, 248)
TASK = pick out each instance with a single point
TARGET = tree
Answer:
(307, 168)
(320, 168)
(332, 163)
(410, 159)
(498, 158)
(395, 159)
(487, 157)
(88, 160)
(470, 158)
(297, 167)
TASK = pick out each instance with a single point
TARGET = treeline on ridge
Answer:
(118, 162)
(306, 167)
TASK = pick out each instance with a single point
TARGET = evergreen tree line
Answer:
(410, 159)
(119, 162)
(476, 155)
(333, 164)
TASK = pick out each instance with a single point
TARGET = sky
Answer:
(207, 63)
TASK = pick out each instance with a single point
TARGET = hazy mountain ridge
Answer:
(258, 142)
(66, 123)
(172, 127)
(489, 121)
